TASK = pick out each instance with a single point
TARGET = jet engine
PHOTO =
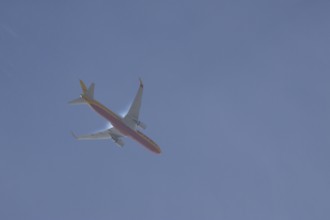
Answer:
(141, 125)
(119, 142)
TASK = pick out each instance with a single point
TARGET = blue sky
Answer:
(236, 95)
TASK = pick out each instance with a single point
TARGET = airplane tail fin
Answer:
(86, 92)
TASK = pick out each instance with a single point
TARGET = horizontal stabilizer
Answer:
(77, 101)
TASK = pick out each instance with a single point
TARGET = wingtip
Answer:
(141, 83)
(74, 135)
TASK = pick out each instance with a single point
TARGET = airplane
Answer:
(126, 126)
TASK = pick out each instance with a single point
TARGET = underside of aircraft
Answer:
(122, 126)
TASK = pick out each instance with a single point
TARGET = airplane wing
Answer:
(111, 133)
(132, 117)
(107, 134)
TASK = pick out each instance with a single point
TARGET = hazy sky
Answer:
(237, 95)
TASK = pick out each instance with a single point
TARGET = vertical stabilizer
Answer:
(85, 93)
(88, 92)
(83, 87)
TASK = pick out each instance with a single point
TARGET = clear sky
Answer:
(237, 95)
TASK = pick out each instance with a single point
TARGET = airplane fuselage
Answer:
(120, 125)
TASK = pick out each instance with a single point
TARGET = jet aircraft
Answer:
(127, 126)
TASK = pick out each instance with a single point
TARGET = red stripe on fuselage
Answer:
(117, 122)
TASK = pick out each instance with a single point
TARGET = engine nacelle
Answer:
(119, 142)
(141, 125)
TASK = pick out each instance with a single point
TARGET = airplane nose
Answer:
(157, 150)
